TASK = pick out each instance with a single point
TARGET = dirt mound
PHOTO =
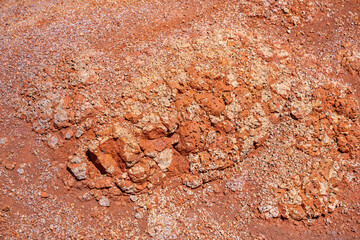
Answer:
(224, 98)
(180, 119)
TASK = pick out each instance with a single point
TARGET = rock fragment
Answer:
(3, 140)
(53, 142)
(193, 181)
(44, 195)
(190, 137)
(68, 135)
(10, 165)
(165, 158)
(104, 202)
(140, 171)
(78, 170)
(20, 171)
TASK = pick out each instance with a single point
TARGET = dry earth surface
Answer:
(188, 119)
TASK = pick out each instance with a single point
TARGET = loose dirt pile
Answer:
(217, 121)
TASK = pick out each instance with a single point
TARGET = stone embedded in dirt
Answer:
(78, 170)
(104, 202)
(68, 135)
(214, 105)
(20, 171)
(190, 137)
(61, 119)
(53, 142)
(140, 171)
(10, 165)
(5, 208)
(193, 181)
(79, 132)
(87, 197)
(76, 159)
(130, 151)
(314, 193)
(165, 158)
(133, 198)
(129, 187)
(44, 195)
(169, 96)
(349, 58)
(217, 125)
(105, 163)
(3, 140)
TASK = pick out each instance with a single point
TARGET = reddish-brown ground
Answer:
(179, 119)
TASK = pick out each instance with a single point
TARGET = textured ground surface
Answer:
(179, 119)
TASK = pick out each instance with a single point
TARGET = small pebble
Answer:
(3, 140)
(104, 202)
(52, 142)
(20, 171)
(133, 198)
(79, 133)
(44, 195)
(10, 165)
(68, 135)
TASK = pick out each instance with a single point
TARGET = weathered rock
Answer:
(101, 182)
(78, 170)
(129, 187)
(347, 107)
(350, 59)
(9, 165)
(154, 131)
(342, 144)
(204, 162)
(165, 158)
(269, 211)
(3, 140)
(53, 142)
(68, 135)
(214, 105)
(158, 145)
(297, 213)
(104, 162)
(190, 136)
(140, 171)
(133, 198)
(20, 171)
(193, 181)
(79, 132)
(61, 119)
(171, 122)
(129, 149)
(44, 194)
(104, 202)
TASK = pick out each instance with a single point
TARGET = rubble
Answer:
(195, 120)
